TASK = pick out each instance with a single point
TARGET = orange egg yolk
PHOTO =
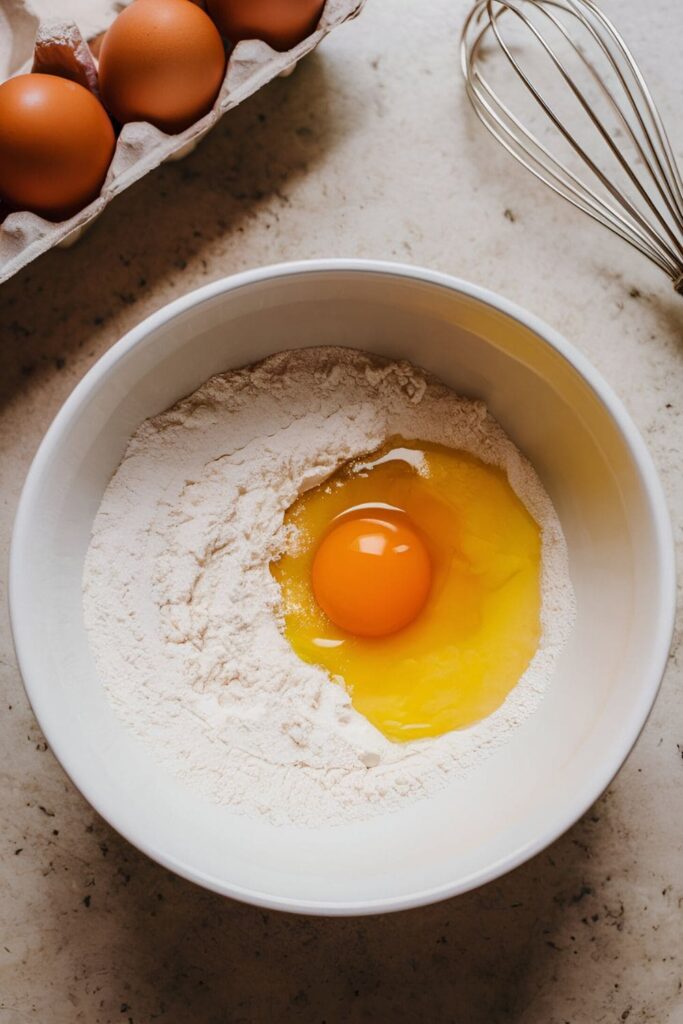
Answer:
(371, 576)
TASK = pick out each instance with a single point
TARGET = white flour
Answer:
(183, 613)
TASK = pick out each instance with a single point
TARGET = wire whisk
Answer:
(589, 127)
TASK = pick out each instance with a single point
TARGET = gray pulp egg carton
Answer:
(31, 38)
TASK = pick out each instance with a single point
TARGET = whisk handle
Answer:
(678, 284)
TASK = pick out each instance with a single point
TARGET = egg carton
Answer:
(32, 39)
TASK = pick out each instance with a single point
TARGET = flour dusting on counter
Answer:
(184, 615)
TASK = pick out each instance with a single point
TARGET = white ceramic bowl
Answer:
(595, 467)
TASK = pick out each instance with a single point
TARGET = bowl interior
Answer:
(554, 765)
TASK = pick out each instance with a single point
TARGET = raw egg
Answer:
(413, 576)
(280, 23)
(56, 143)
(161, 61)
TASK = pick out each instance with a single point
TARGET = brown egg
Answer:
(56, 143)
(161, 61)
(281, 23)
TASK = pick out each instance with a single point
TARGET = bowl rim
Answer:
(67, 753)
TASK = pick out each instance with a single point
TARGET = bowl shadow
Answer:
(175, 951)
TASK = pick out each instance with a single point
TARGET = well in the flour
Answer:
(185, 618)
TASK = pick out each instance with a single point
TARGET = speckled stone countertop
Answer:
(369, 149)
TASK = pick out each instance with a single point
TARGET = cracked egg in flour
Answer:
(413, 577)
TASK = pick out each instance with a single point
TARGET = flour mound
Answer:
(184, 616)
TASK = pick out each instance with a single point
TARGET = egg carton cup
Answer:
(60, 47)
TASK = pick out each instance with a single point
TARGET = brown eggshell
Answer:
(280, 23)
(56, 143)
(161, 61)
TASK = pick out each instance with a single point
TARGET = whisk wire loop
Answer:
(643, 205)
(609, 95)
(560, 178)
(580, 150)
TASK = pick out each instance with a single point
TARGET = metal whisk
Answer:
(615, 161)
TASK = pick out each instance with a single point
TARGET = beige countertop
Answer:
(369, 149)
